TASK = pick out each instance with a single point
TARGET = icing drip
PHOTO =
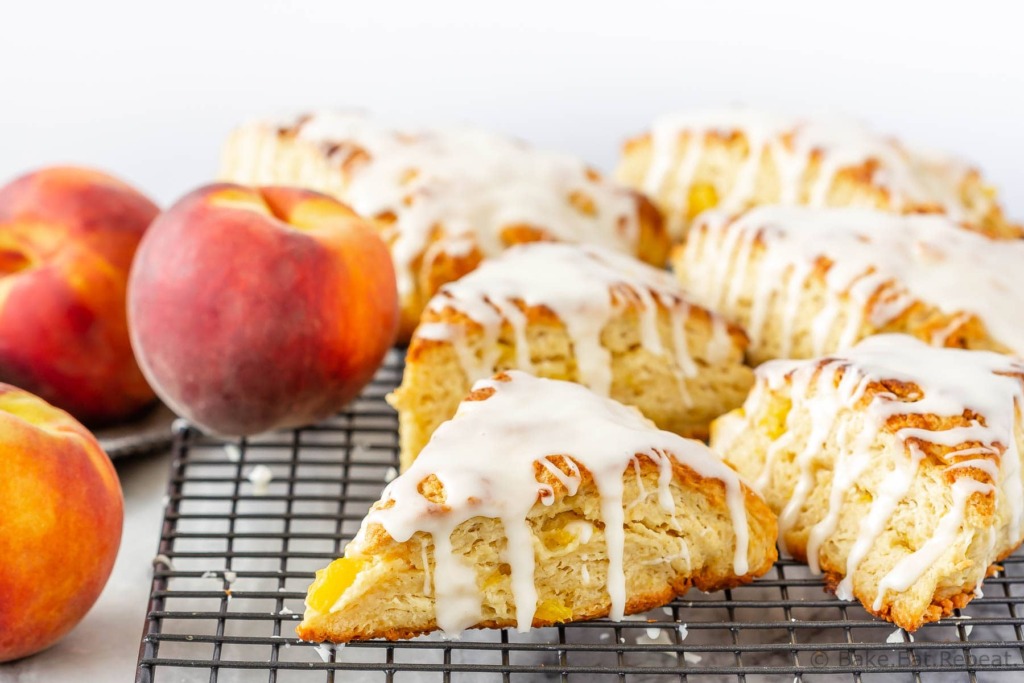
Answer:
(907, 177)
(952, 383)
(913, 566)
(579, 528)
(585, 286)
(829, 401)
(891, 491)
(881, 262)
(467, 184)
(529, 420)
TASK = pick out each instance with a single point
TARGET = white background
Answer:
(149, 90)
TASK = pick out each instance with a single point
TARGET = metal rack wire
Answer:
(234, 561)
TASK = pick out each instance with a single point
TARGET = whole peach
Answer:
(67, 238)
(254, 309)
(61, 513)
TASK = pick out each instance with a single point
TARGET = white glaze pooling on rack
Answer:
(585, 286)
(793, 143)
(951, 381)
(882, 262)
(527, 420)
(469, 183)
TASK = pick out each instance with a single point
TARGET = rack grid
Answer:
(236, 555)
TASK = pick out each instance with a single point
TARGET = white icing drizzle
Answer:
(524, 421)
(951, 382)
(908, 177)
(468, 184)
(882, 262)
(891, 491)
(260, 477)
(581, 529)
(824, 409)
(641, 493)
(913, 566)
(584, 286)
(897, 636)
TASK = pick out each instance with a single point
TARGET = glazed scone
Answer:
(736, 158)
(578, 313)
(804, 282)
(894, 467)
(444, 199)
(540, 503)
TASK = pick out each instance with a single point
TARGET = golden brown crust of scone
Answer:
(938, 609)
(654, 242)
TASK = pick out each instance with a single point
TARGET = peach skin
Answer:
(61, 513)
(256, 309)
(67, 238)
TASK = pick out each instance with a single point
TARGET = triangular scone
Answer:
(578, 313)
(541, 502)
(895, 468)
(805, 282)
(445, 199)
(735, 158)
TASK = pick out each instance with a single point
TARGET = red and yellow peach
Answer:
(61, 513)
(67, 238)
(254, 309)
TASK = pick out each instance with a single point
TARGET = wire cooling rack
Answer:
(236, 554)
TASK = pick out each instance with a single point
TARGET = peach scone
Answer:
(894, 468)
(541, 503)
(805, 281)
(445, 199)
(578, 313)
(736, 158)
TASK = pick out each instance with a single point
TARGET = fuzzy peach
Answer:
(255, 309)
(61, 513)
(67, 238)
